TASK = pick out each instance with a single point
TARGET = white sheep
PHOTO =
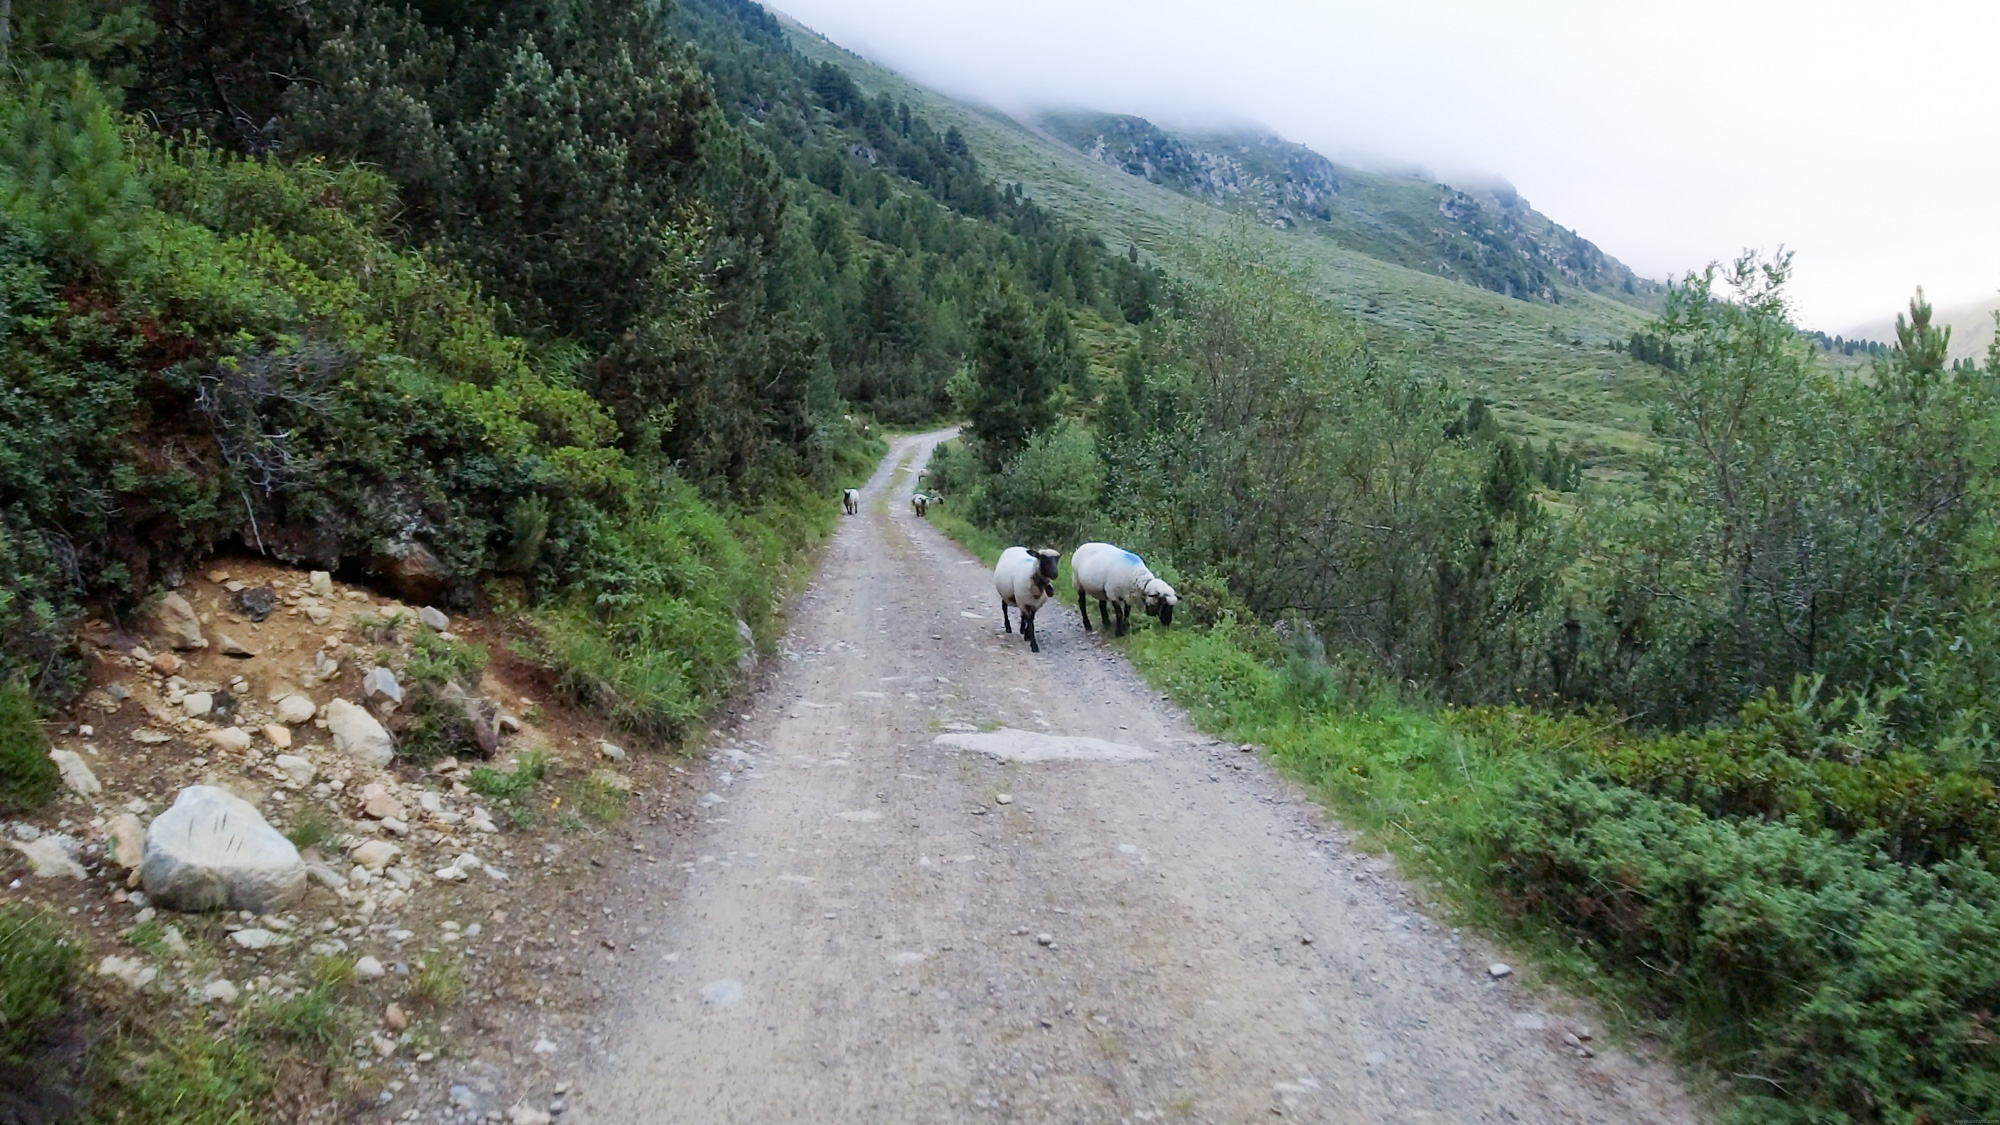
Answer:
(919, 503)
(851, 500)
(1117, 577)
(1025, 580)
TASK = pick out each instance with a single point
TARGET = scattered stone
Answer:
(320, 582)
(119, 693)
(172, 938)
(544, 1045)
(255, 604)
(76, 773)
(230, 738)
(197, 704)
(507, 723)
(369, 968)
(212, 849)
(151, 737)
(324, 665)
(463, 1097)
(380, 683)
(1499, 970)
(278, 735)
(175, 620)
(395, 826)
(294, 709)
(255, 938)
(1004, 799)
(325, 876)
(746, 660)
(376, 803)
(52, 856)
(450, 873)
(127, 838)
(318, 614)
(434, 618)
(357, 734)
(230, 646)
(297, 770)
(130, 970)
(1045, 939)
(166, 664)
(220, 990)
(395, 1018)
(524, 1114)
(611, 751)
(375, 854)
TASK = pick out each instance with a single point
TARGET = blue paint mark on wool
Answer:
(1134, 559)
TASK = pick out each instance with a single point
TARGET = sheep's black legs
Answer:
(1006, 625)
(1083, 607)
(1124, 618)
(1028, 629)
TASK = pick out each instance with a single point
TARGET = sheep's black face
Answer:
(1048, 560)
(1167, 614)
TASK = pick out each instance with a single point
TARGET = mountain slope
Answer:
(1971, 324)
(1549, 370)
(1487, 236)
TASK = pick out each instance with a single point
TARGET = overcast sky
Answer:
(1864, 136)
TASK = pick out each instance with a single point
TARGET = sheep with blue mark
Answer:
(1118, 579)
(1025, 580)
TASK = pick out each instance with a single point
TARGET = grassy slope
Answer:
(1546, 367)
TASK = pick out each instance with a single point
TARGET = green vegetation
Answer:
(28, 778)
(527, 772)
(40, 964)
(308, 829)
(1718, 743)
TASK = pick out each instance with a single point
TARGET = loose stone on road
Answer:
(953, 880)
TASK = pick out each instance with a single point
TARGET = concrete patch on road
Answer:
(1013, 745)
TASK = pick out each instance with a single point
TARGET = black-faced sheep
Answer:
(1025, 580)
(850, 500)
(1117, 577)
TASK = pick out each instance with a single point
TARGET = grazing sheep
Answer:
(919, 503)
(1117, 577)
(1025, 579)
(851, 500)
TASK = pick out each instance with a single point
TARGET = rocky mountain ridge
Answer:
(1484, 235)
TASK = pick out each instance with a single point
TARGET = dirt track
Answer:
(857, 933)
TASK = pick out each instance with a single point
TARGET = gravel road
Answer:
(942, 879)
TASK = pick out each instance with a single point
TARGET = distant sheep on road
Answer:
(919, 503)
(1025, 580)
(851, 500)
(1117, 577)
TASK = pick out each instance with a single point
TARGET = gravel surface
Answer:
(940, 878)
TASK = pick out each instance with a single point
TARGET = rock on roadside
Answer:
(76, 773)
(175, 620)
(357, 734)
(212, 849)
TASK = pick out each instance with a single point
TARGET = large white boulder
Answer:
(212, 849)
(357, 734)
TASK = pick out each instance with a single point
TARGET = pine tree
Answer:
(1013, 376)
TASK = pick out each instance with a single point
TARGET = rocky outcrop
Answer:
(212, 850)
(413, 572)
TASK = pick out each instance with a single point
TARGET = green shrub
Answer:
(1049, 493)
(28, 778)
(39, 964)
(527, 772)
(1852, 987)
